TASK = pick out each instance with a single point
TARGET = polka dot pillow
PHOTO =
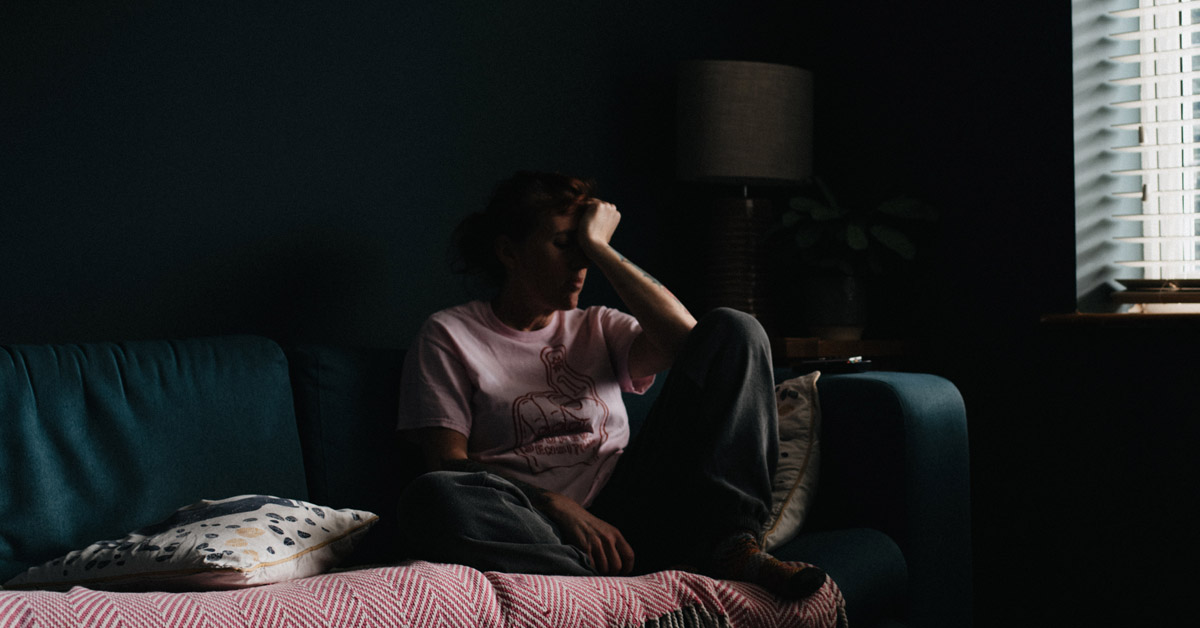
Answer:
(241, 541)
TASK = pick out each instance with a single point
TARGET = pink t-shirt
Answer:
(541, 406)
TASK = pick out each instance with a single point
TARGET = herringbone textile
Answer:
(426, 595)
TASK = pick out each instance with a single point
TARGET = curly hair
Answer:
(516, 207)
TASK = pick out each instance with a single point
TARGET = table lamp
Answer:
(743, 125)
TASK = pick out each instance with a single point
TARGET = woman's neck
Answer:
(515, 312)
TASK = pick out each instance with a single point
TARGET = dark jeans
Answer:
(699, 470)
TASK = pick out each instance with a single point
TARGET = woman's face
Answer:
(547, 269)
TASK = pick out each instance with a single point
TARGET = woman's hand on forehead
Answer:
(597, 222)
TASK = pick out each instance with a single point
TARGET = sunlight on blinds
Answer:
(1168, 135)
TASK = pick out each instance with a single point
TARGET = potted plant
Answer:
(829, 250)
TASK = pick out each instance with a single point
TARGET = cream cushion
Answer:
(799, 458)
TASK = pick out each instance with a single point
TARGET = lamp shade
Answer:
(744, 122)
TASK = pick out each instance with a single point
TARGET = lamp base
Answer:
(738, 273)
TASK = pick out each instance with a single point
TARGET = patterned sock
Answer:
(740, 558)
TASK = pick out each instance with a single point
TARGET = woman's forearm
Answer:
(664, 319)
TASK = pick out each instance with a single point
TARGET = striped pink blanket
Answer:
(421, 594)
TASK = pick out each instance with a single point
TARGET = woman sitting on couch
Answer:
(516, 405)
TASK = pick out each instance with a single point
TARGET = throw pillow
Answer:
(799, 455)
(241, 541)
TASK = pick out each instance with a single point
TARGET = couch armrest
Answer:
(894, 457)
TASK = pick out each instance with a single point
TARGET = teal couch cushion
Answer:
(866, 564)
(99, 439)
(346, 403)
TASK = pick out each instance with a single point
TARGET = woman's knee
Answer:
(449, 500)
(730, 324)
(434, 496)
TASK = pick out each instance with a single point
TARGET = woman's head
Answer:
(519, 206)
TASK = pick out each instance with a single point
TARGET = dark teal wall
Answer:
(295, 169)
(181, 168)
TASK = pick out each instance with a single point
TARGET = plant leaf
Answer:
(826, 212)
(908, 207)
(896, 241)
(806, 205)
(790, 218)
(856, 238)
(807, 238)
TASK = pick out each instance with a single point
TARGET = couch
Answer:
(100, 439)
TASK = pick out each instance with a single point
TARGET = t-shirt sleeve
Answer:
(435, 385)
(620, 330)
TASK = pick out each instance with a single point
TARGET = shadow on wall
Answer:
(311, 285)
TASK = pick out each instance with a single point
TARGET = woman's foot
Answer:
(740, 558)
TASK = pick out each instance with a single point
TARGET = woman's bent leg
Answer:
(695, 487)
(702, 466)
(481, 520)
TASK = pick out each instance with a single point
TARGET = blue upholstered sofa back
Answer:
(346, 402)
(99, 439)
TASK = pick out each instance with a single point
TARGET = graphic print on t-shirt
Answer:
(564, 426)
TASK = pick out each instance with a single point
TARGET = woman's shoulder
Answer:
(602, 313)
(462, 311)
(457, 318)
(605, 321)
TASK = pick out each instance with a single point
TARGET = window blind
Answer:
(1168, 134)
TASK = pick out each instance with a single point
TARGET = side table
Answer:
(837, 356)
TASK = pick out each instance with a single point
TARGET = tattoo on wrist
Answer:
(649, 277)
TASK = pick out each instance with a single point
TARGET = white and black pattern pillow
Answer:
(799, 457)
(241, 541)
